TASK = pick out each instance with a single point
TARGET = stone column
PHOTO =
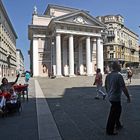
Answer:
(100, 61)
(58, 56)
(94, 58)
(88, 57)
(81, 67)
(35, 58)
(65, 57)
(71, 56)
(53, 52)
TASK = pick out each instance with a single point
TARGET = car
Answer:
(124, 73)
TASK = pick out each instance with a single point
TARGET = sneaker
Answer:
(104, 97)
(96, 98)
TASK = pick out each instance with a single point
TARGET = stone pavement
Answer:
(65, 108)
(21, 126)
(79, 116)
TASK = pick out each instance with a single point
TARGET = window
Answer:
(111, 55)
(110, 40)
(62, 27)
(111, 32)
(111, 48)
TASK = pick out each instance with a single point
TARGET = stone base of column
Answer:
(66, 75)
(59, 76)
(89, 74)
(72, 76)
(83, 74)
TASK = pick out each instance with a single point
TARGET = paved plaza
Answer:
(65, 109)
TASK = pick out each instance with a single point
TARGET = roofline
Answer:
(131, 31)
(123, 26)
(20, 53)
(83, 12)
(34, 27)
(6, 16)
(31, 26)
(78, 24)
(111, 15)
(61, 7)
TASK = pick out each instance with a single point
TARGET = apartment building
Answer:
(120, 43)
(7, 44)
(20, 61)
(139, 54)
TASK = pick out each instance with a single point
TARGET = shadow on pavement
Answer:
(80, 117)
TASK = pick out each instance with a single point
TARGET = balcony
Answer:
(123, 45)
(8, 55)
(132, 50)
(110, 35)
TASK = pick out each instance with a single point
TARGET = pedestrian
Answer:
(99, 82)
(27, 77)
(129, 74)
(6, 86)
(115, 85)
(5, 89)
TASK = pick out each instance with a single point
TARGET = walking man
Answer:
(115, 85)
(99, 82)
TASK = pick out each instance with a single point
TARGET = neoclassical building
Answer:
(120, 43)
(7, 44)
(65, 42)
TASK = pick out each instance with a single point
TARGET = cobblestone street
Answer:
(65, 108)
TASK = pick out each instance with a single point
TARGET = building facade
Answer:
(65, 42)
(120, 42)
(139, 55)
(7, 44)
(20, 61)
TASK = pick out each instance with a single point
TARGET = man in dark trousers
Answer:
(115, 85)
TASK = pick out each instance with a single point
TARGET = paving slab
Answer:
(79, 116)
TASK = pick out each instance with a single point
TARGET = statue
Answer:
(35, 10)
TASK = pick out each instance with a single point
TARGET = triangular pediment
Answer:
(80, 18)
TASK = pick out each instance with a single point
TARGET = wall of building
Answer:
(7, 45)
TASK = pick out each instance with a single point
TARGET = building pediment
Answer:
(79, 18)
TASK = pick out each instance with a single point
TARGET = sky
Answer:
(20, 15)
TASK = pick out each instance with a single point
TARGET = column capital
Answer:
(94, 39)
(101, 40)
(70, 35)
(88, 37)
(57, 34)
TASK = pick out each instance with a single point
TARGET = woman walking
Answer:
(99, 82)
